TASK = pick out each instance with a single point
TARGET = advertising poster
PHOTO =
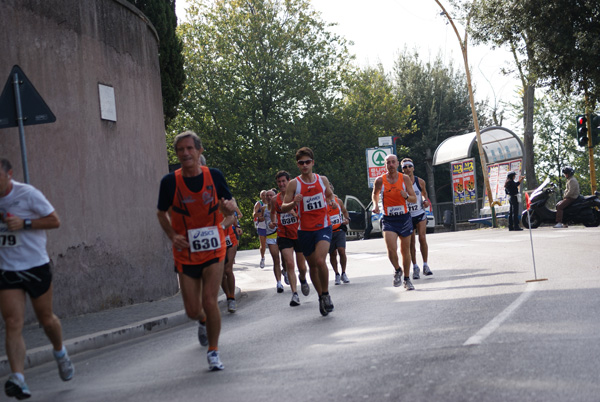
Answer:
(469, 181)
(497, 174)
(458, 193)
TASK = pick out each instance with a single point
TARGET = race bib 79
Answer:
(8, 238)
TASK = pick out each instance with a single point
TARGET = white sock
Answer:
(20, 376)
(425, 264)
(415, 266)
(60, 353)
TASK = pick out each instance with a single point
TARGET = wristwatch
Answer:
(27, 224)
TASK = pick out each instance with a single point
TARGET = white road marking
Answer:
(495, 323)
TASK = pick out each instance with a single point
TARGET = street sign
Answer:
(376, 162)
(34, 109)
(385, 141)
(21, 105)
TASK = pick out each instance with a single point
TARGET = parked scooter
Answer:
(585, 210)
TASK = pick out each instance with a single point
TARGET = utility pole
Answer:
(463, 47)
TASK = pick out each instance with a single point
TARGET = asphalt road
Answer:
(474, 331)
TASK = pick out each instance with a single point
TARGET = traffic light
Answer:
(595, 130)
(582, 130)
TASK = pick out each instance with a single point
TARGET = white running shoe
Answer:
(14, 387)
(214, 361)
(285, 276)
(202, 334)
(345, 278)
(305, 288)
(231, 305)
(295, 300)
(338, 279)
(416, 271)
(559, 225)
(262, 262)
(279, 287)
(427, 270)
(65, 367)
(398, 278)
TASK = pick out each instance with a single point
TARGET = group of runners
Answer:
(303, 222)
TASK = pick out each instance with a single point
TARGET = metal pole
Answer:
(463, 46)
(531, 240)
(21, 128)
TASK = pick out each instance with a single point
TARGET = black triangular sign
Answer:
(35, 110)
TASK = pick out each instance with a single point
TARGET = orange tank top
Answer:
(393, 202)
(287, 223)
(313, 207)
(230, 237)
(335, 214)
(196, 216)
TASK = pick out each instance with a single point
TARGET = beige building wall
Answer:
(101, 176)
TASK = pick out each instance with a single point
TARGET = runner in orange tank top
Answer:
(287, 240)
(396, 190)
(191, 205)
(311, 193)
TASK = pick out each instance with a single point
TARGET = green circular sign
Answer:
(378, 157)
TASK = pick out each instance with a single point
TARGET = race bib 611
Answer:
(204, 239)
(317, 201)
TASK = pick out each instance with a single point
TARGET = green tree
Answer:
(556, 144)
(438, 95)
(498, 24)
(566, 37)
(370, 108)
(259, 73)
(162, 15)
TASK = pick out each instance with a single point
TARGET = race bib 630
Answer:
(204, 239)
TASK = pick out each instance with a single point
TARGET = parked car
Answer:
(362, 219)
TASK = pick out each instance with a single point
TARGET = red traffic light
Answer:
(582, 120)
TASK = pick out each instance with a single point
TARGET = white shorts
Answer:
(272, 238)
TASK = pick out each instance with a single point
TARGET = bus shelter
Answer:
(503, 152)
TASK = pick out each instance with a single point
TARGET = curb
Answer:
(43, 354)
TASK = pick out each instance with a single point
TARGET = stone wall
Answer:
(101, 176)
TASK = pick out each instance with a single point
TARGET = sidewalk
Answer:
(96, 330)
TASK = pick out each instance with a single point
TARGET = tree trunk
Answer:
(430, 177)
(528, 103)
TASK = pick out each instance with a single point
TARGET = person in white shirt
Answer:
(25, 214)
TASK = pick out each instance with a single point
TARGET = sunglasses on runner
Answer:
(306, 162)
